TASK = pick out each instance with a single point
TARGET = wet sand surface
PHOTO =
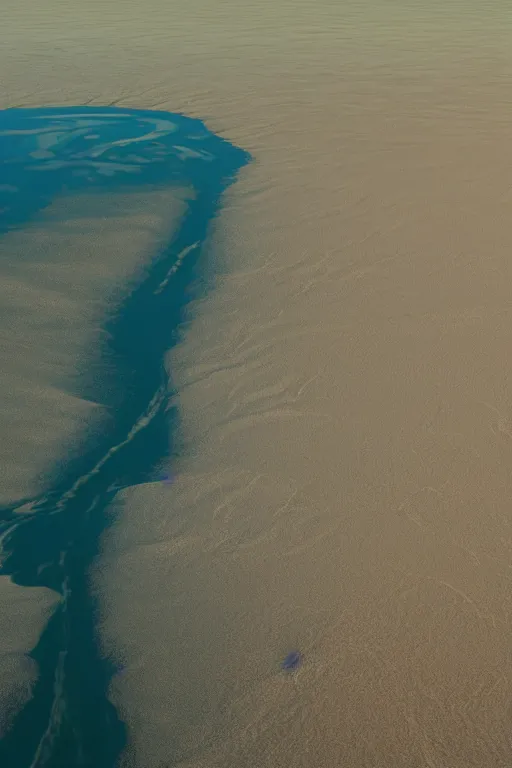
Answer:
(59, 276)
(344, 389)
(24, 612)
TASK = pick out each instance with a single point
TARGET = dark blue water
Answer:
(45, 153)
(291, 661)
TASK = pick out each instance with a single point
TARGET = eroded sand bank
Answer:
(60, 274)
(23, 613)
(344, 390)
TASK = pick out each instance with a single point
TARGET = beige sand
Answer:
(23, 612)
(344, 391)
(58, 277)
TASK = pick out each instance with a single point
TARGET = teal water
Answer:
(69, 720)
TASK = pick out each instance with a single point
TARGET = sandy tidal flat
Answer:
(344, 390)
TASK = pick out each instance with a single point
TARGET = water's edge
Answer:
(69, 721)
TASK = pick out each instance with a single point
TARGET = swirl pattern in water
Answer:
(41, 150)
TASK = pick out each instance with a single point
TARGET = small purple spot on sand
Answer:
(292, 661)
(167, 479)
